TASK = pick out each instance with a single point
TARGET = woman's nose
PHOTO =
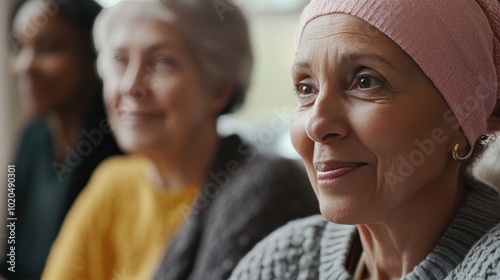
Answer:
(132, 83)
(328, 119)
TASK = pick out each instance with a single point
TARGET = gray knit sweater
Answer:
(226, 222)
(313, 248)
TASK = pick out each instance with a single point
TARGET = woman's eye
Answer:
(162, 64)
(118, 64)
(305, 93)
(367, 82)
(119, 59)
(16, 45)
(304, 89)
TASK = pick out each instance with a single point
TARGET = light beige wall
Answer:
(271, 94)
(274, 49)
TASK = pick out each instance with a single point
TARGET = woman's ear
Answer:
(221, 97)
(459, 138)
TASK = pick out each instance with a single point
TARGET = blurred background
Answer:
(263, 120)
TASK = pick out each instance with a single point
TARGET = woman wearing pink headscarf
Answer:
(397, 98)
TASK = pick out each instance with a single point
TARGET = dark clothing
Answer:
(45, 187)
(247, 195)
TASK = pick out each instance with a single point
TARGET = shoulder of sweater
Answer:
(483, 199)
(33, 130)
(112, 183)
(272, 159)
(291, 250)
(269, 165)
(488, 248)
(483, 259)
(35, 124)
(34, 135)
(118, 170)
(121, 163)
(271, 180)
(490, 239)
(482, 187)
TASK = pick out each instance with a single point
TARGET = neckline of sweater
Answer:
(479, 213)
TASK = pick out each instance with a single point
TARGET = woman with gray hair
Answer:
(170, 69)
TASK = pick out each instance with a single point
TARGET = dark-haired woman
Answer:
(68, 134)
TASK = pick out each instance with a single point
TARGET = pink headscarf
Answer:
(455, 42)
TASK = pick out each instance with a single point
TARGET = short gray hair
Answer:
(221, 45)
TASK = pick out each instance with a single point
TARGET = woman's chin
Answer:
(136, 146)
(343, 212)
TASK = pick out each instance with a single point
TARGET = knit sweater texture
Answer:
(246, 196)
(314, 248)
(119, 225)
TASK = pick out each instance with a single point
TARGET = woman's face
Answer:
(154, 90)
(372, 129)
(51, 64)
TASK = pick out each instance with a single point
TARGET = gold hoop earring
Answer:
(455, 155)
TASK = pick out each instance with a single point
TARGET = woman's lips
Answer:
(139, 117)
(334, 170)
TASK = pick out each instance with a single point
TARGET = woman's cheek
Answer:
(300, 141)
(303, 144)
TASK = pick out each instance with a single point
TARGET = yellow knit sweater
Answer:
(119, 226)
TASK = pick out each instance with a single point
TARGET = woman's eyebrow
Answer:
(357, 57)
(349, 58)
(160, 46)
(152, 48)
(300, 66)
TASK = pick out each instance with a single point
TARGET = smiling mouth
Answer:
(335, 170)
(139, 117)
